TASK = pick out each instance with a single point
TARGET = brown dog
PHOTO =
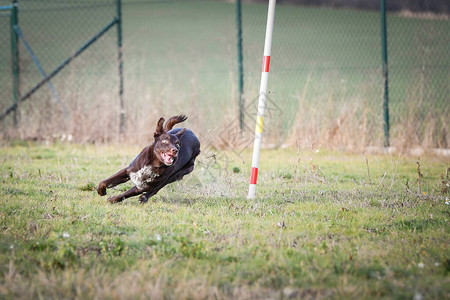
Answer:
(171, 156)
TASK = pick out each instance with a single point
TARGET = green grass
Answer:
(324, 225)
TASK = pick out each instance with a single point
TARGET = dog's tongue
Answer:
(168, 159)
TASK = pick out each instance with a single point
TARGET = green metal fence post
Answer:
(240, 67)
(385, 72)
(120, 59)
(15, 57)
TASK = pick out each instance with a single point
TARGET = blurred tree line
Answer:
(434, 6)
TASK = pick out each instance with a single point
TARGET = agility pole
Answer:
(262, 99)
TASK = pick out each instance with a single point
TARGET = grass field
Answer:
(324, 225)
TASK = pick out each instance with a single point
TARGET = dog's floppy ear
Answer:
(174, 120)
(180, 133)
(159, 128)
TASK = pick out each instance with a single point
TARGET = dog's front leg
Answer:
(118, 178)
(130, 193)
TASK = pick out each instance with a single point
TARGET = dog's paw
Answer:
(114, 199)
(143, 198)
(101, 190)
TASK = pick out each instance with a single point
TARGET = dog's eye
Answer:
(178, 145)
(165, 142)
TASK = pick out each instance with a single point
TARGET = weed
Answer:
(116, 248)
(65, 255)
(419, 176)
(445, 182)
(90, 186)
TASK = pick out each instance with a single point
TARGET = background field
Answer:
(324, 225)
(180, 56)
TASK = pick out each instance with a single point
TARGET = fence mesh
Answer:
(325, 73)
(70, 104)
(325, 85)
(5, 53)
(419, 66)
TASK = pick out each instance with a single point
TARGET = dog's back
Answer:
(190, 148)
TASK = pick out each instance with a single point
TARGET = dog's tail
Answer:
(174, 120)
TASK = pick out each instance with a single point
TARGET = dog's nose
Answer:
(174, 151)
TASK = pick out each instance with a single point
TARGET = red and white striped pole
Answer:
(262, 99)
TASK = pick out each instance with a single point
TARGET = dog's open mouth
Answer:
(167, 158)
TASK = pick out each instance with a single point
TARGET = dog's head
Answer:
(167, 145)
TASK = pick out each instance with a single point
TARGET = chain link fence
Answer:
(325, 82)
(70, 104)
(419, 67)
(326, 75)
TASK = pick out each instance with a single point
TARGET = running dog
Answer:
(171, 156)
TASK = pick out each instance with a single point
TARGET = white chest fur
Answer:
(143, 177)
